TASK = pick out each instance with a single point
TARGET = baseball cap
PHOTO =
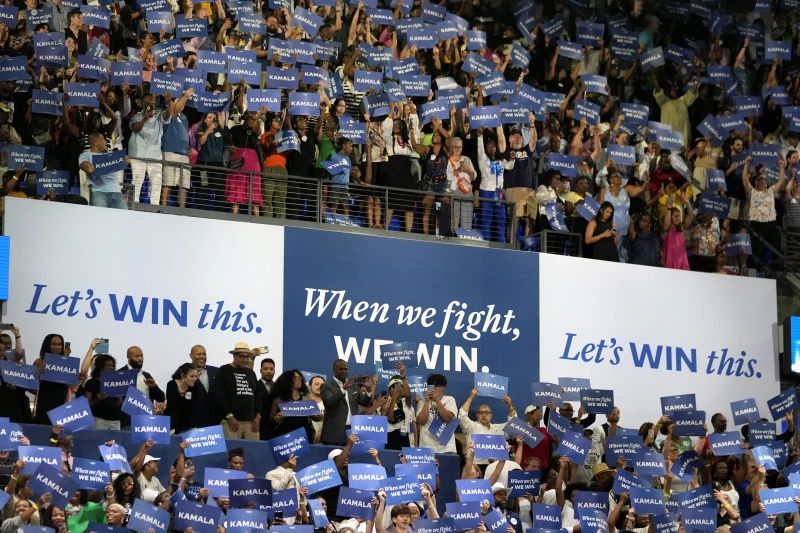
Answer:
(334, 453)
(148, 458)
(530, 408)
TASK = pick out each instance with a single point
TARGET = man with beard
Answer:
(261, 44)
(625, 518)
(509, 509)
(204, 386)
(144, 382)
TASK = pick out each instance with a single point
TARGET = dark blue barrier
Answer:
(257, 456)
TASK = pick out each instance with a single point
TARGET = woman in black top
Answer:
(182, 399)
(602, 233)
(290, 387)
(50, 395)
(105, 410)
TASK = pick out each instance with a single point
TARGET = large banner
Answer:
(165, 283)
(646, 333)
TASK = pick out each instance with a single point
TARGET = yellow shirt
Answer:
(676, 113)
(677, 201)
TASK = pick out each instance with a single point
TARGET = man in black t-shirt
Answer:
(238, 397)
(519, 176)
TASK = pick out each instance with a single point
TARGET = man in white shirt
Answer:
(436, 409)
(484, 424)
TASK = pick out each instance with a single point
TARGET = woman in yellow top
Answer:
(675, 109)
(672, 197)
(707, 156)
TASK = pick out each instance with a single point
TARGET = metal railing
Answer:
(272, 194)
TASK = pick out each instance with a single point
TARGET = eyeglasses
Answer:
(484, 412)
(127, 483)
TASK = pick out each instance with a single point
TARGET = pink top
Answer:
(674, 247)
(148, 66)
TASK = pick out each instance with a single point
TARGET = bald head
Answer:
(198, 356)
(135, 357)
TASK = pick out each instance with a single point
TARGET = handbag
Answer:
(43, 139)
(464, 185)
(237, 163)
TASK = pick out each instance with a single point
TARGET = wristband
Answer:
(35, 507)
(54, 441)
(228, 416)
(290, 469)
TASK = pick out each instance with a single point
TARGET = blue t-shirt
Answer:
(107, 183)
(176, 135)
(340, 171)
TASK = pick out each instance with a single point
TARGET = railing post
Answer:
(250, 197)
(318, 208)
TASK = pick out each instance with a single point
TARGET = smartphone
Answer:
(261, 351)
(6, 327)
(278, 515)
(431, 387)
(66, 346)
(102, 346)
(384, 393)
(650, 433)
(148, 108)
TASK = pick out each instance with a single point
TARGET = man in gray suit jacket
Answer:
(341, 399)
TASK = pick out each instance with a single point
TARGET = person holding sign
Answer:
(436, 406)
(105, 410)
(399, 409)
(551, 190)
(620, 198)
(672, 240)
(342, 399)
(106, 190)
(147, 130)
(290, 387)
(762, 215)
(51, 394)
(644, 244)
(484, 424)
(575, 222)
(602, 234)
(675, 109)
(24, 510)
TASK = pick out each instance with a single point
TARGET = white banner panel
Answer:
(646, 333)
(163, 283)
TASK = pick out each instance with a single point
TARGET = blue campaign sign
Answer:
(319, 476)
(23, 376)
(669, 140)
(32, 158)
(415, 84)
(685, 465)
(594, 84)
(594, 521)
(558, 425)
(269, 98)
(521, 482)
(400, 352)
(187, 28)
(90, 475)
(474, 490)
(652, 58)
(566, 164)
(443, 431)
(422, 38)
(96, 16)
(83, 94)
(211, 61)
(249, 520)
(624, 481)
(665, 522)
(754, 524)
(495, 522)
(401, 489)
(312, 75)
(287, 140)
(648, 501)
(299, 408)
(587, 110)
(424, 472)
(624, 446)
(145, 516)
(150, 427)
(570, 50)
(465, 515)
(737, 243)
(716, 182)
(517, 427)
(745, 411)
(370, 428)
(778, 501)
(52, 56)
(136, 403)
(163, 83)
(115, 456)
(197, 516)
(8, 16)
(765, 154)
(435, 109)
(650, 463)
(243, 492)
(307, 20)
(158, 20)
(546, 516)
(33, 456)
(216, 480)
(624, 155)
(711, 127)
(782, 403)
(597, 401)
(293, 443)
(115, 383)
(520, 57)
(681, 402)
(122, 72)
(13, 68)
(40, 40)
(239, 70)
(715, 204)
(727, 443)
(356, 132)
(700, 519)
(587, 500)
(364, 80)
(488, 446)
(574, 446)
(95, 527)
(764, 456)
(589, 33)
(166, 49)
(588, 210)
(318, 514)
(355, 503)
(486, 116)
(748, 105)
(109, 163)
(435, 525)
(476, 39)
(545, 393)
(381, 16)
(689, 423)
(47, 102)
(491, 385)
(50, 480)
(718, 73)
(418, 455)
(73, 416)
(366, 476)
(779, 49)
(304, 104)
(624, 45)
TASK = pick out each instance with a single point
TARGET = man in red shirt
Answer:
(533, 415)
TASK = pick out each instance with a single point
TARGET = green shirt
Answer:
(326, 150)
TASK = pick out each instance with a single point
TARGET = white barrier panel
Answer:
(647, 333)
(163, 283)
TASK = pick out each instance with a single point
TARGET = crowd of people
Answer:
(458, 107)
(536, 483)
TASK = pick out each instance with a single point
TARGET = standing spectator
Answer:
(290, 387)
(77, 31)
(338, 191)
(491, 190)
(436, 406)
(675, 109)
(396, 171)
(519, 177)
(105, 410)
(620, 198)
(791, 202)
(175, 143)
(484, 424)
(204, 387)
(105, 190)
(673, 243)
(342, 399)
(147, 128)
(644, 243)
(551, 190)
(244, 187)
(144, 382)
(461, 174)
(301, 164)
(182, 399)
(211, 141)
(238, 395)
(314, 387)
(273, 179)
(51, 394)
(601, 233)
(762, 214)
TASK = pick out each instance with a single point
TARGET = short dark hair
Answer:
(343, 141)
(437, 380)
(267, 360)
(716, 417)
(74, 13)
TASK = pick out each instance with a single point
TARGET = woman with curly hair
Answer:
(290, 387)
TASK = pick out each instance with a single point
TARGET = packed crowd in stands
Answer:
(453, 105)
(544, 468)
